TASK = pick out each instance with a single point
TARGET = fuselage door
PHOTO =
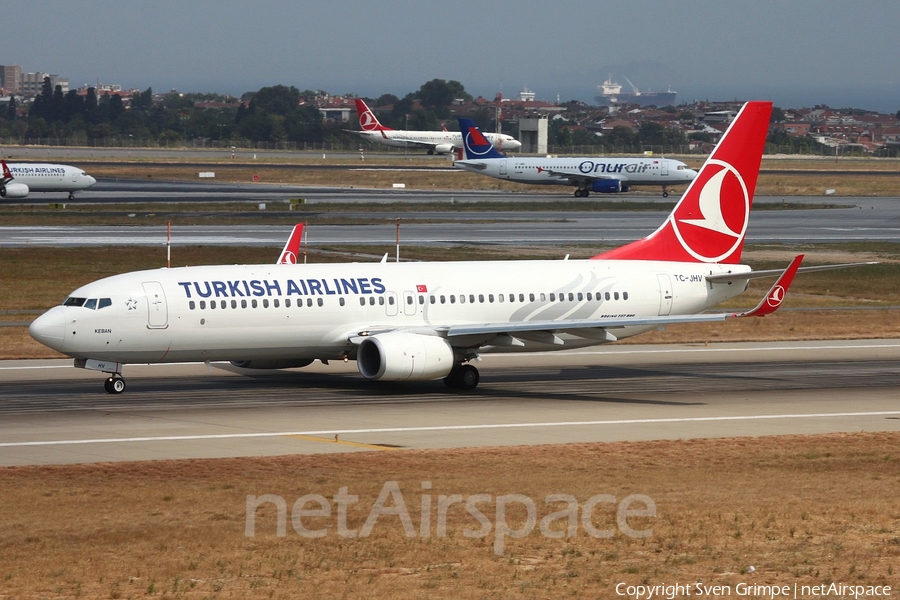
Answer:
(157, 312)
(665, 294)
(664, 168)
(391, 308)
(503, 168)
(409, 303)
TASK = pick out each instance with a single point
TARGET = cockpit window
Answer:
(104, 302)
(72, 301)
(91, 304)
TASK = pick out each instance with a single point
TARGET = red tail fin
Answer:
(291, 251)
(710, 221)
(7, 176)
(367, 119)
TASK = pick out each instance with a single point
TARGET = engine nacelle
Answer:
(608, 186)
(400, 356)
(276, 363)
(444, 148)
(13, 190)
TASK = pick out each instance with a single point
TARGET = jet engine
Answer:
(13, 190)
(277, 363)
(608, 186)
(444, 148)
(399, 356)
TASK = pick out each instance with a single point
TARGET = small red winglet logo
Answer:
(776, 296)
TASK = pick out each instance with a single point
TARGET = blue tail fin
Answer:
(475, 144)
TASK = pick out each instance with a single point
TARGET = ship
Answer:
(611, 94)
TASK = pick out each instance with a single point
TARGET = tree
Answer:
(11, 109)
(777, 115)
(385, 99)
(438, 93)
(278, 99)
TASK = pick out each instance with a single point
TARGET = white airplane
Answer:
(430, 320)
(440, 142)
(19, 179)
(603, 175)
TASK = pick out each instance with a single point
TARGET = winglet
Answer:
(475, 143)
(7, 175)
(291, 250)
(775, 295)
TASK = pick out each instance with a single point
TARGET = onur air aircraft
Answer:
(431, 320)
(21, 178)
(603, 175)
(441, 142)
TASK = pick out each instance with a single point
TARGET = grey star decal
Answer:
(131, 304)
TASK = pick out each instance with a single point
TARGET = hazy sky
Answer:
(794, 52)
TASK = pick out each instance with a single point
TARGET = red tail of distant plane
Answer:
(291, 251)
(367, 119)
(710, 221)
(7, 175)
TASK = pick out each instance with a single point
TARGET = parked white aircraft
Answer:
(608, 175)
(441, 142)
(21, 178)
(429, 320)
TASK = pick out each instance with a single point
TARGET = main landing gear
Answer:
(665, 192)
(71, 195)
(115, 384)
(462, 377)
(580, 193)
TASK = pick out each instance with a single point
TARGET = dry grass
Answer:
(809, 510)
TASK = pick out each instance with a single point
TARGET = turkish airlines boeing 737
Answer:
(608, 175)
(441, 142)
(430, 320)
(21, 178)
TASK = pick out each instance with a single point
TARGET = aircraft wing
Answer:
(578, 178)
(414, 143)
(732, 277)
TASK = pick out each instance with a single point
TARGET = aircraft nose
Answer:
(50, 328)
(91, 180)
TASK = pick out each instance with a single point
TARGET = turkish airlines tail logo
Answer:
(367, 119)
(291, 250)
(7, 175)
(710, 221)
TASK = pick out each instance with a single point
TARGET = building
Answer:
(33, 83)
(11, 79)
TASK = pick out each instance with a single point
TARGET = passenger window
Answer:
(499, 297)
(481, 298)
(91, 304)
(590, 296)
(380, 300)
(265, 303)
(371, 301)
(409, 299)
(243, 304)
(452, 299)
(580, 296)
(191, 305)
(362, 301)
(287, 303)
(234, 304)
(443, 299)
(253, 303)
(202, 304)
(319, 300)
(552, 297)
(543, 297)
(531, 297)
(607, 295)
(624, 295)
(462, 298)
(391, 300)
(521, 297)
(421, 299)
(309, 302)
(341, 301)
(471, 298)
(616, 295)
(104, 302)
(490, 297)
(432, 299)
(571, 297)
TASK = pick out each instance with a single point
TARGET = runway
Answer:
(864, 219)
(55, 414)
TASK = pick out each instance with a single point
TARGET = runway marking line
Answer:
(337, 440)
(333, 432)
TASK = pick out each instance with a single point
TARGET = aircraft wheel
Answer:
(578, 193)
(468, 377)
(114, 385)
(665, 194)
(430, 152)
(71, 196)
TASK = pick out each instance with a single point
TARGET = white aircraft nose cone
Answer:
(50, 328)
